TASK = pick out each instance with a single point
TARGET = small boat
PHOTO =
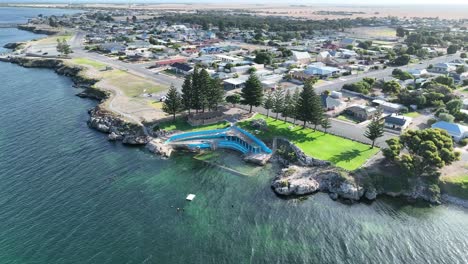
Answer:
(190, 197)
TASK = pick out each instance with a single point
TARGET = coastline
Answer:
(305, 178)
(100, 118)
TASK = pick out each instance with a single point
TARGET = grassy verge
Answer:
(342, 152)
(347, 118)
(130, 84)
(182, 125)
(455, 186)
(88, 62)
(412, 114)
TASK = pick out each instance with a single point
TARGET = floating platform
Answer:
(190, 197)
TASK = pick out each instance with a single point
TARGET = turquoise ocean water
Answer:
(67, 195)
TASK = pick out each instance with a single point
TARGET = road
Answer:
(379, 74)
(139, 69)
(76, 44)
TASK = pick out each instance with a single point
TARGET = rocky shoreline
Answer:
(303, 175)
(37, 30)
(99, 118)
(13, 45)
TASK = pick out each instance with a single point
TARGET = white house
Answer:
(397, 122)
(417, 72)
(301, 57)
(458, 132)
(388, 107)
(444, 68)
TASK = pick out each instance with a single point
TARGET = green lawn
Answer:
(182, 125)
(88, 62)
(347, 118)
(132, 85)
(412, 114)
(342, 152)
(456, 186)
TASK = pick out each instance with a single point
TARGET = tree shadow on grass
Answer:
(346, 156)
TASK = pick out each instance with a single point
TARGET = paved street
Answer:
(339, 128)
(167, 80)
(137, 69)
(379, 74)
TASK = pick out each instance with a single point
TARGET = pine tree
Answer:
(204, 82)
(268, 102)
(278, 101)
(326, 124)
(289, 106)
(317, 110)
(187, 93)
(305, 104)
(252, 93)
(196, 90)
(375, 129)
(295, 99)
(215, 93)
(173, 103)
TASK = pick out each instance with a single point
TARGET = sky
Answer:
(305, 2)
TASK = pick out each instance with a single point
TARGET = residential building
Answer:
(397, 122)
(182, 68)
(346, 42)
(456, 131)
(319, 69)
(417, 72)
(361, 112)
(301, 57)
(443, 68)
(388, 107)
(234, 83)
(330, 103)
(228, 59)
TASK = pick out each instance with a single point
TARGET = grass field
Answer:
(156, 104)
(412, 114)
(130, 84)
(342, 152)
(182, 125)
(347, 118)
(88, 62)
(456, 186)
(53, 39)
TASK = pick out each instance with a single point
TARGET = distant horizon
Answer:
(262, 2)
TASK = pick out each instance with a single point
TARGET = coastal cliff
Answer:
(100, 119)
(38, 30)
(303, 175)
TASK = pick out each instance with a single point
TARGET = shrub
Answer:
(404, 110)
(431, 121)
(463, 142)
(446, 117)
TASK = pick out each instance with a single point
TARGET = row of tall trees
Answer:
(303, 105)
(200, 92)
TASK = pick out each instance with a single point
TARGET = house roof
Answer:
(367, 109)
(396, 119)
(299, 55)
(182, 66)
(320, 69)
(451, 128)
(235, 81)
(347, 41)
(329, 101)
(388, 104)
